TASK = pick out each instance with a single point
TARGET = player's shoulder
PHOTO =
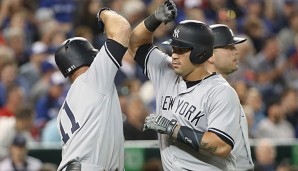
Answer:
(218, 84)
(216, 80)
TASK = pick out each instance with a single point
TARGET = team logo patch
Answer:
(71, 68)
(176, 33)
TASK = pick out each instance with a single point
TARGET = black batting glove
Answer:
(160, 124)
(101, 25)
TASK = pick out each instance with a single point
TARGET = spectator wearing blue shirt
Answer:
(48, 106)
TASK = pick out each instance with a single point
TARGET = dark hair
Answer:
(25, 112)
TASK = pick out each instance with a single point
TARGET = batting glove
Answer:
(101, 25)
(160, 124)
(166, 12)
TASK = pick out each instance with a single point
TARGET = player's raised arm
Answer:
(115, 26)
(143, 33)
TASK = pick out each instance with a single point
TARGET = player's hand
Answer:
(160, 124)
(166, 12)
(101, 25)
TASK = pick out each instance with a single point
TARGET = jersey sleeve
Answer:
(154, 62)
(102, 71)
(224, 114)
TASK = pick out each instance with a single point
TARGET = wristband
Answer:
(190, 137)
(151, 23)
(99, 12)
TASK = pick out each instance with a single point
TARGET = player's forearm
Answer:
(116, 26)
(139, 36)
(202, 141)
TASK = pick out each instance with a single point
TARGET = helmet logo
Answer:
(71, 68)
(176, 33)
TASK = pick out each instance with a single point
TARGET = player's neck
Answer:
(77, 73)
(197, 75)
(224, 75)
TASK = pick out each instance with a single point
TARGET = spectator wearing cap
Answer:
(31, 71)
(48, 105)
(18, 160)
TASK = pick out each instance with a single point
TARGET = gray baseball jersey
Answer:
(211, 105)
(90, 120)
(241, 149)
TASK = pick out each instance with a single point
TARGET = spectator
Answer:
(18, 158)
(254, 29)
(287, 34)
(63, 12)
(275, 125)
(10, 126)
(134, 11)
(8, 74)
(129, 71)
(50, 132)
(265, 153)
(270, 66)
(249, 113)
(15, 99)
(289, 103)
(292, 75)
(48, 106)
(133, 125)
(87, 9)
(15, 39)
(254, 100)
(6, 55)
(193, 10)
(31, 71)
(41, 87)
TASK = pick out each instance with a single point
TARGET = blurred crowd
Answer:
(32, 89)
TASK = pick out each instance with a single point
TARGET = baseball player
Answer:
(197, 111)
(90, 120)
(225, 61)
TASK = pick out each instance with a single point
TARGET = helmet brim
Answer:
(237, 40)
(177, 43)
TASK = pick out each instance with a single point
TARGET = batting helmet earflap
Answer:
(195, 35)
(224, 36)
(74, 53)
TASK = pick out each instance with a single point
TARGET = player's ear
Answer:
(211, 59)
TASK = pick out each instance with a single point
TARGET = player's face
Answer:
(226, 59)
(180, 61)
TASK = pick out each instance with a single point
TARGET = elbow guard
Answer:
(190, 137)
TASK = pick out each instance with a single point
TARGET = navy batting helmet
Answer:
(74, 53)
(195, 35)
(224, 36)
